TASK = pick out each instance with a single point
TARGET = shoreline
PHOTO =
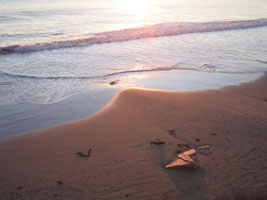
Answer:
(124, 165)
(20, 119)
(23, 118)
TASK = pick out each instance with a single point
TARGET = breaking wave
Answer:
(149, 31)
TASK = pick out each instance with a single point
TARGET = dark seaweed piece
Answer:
(114, 82)
(84, 155)
(183, 145)
(59, 183)
(157, 142)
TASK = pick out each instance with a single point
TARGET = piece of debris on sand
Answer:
(114, 82)
(59, 183)
(183, 145)
(184, 160)
(204, 149)
(81, 155)
(157, 142)
(172, 132)
(191, 153)
(179, 163)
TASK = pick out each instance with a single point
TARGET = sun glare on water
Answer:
(136, 5)
(137, 10)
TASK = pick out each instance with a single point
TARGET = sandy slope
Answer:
(124, 165)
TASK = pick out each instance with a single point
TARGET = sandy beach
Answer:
(123, 164)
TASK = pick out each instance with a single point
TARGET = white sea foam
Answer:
(157, 30)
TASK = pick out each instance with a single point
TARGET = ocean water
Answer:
(53, 50)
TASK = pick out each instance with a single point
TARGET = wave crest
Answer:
(157, 30)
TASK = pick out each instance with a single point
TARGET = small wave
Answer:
(202, 68)
(12, 75)
(6, 83)
(208, 68)
(151, 70)
(27, 35)
(261, 61)
(157, 30)
(4, 18)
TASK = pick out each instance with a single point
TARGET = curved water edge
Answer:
(202, 68)
(149, 31)
(42, 92)
(82, 105)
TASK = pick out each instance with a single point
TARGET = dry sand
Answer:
(124, 165)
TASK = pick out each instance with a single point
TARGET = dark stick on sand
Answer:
(157, 142)
(85, 155)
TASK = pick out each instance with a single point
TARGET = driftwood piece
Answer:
(204, 149)
(179, 163)
(184, 160)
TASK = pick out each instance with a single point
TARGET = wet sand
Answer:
(123, 164)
